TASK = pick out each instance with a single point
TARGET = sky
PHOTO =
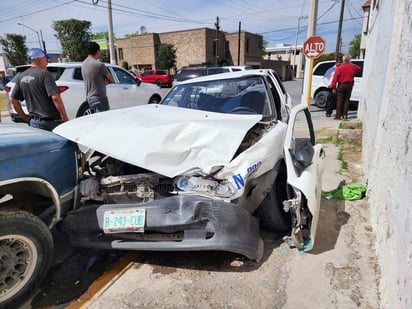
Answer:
(276, 20)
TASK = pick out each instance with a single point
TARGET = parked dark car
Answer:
(186, 73)
(4, 80)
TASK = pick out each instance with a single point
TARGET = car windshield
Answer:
(185, 74)
(246, 95)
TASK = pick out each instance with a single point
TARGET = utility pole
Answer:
(217, 38)
(295, 67)
(338, 38)
(111, 37)
(37, 32)
(309, 64)
(44, 44)
(238, 45)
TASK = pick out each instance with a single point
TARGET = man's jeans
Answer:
(48, 125)
(98, 106)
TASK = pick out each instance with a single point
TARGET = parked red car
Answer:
(158, 77)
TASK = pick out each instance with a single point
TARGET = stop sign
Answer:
(314, 46)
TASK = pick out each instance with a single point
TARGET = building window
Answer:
(214, 47)
(120, 53)
(247, 46)
(227, 50)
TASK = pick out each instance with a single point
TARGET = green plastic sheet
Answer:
(350, 192)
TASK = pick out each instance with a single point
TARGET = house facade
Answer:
(365, 28)
(203, 46)
(291, 54)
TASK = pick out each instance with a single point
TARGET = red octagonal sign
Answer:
(314, 46)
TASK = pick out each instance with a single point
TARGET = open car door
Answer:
(304, 161)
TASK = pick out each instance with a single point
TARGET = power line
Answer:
(319, 24)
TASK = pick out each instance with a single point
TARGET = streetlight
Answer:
(295, 68)
(38, 37)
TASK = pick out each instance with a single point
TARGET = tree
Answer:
(326, 57)
(125, 65)
(264, 45)
(354, 46)
(15, 49)
(74, 35)
(166, 56)
(100, 35)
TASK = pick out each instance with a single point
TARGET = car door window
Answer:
(359, 63)
(304, 132)
(77, 75)
(276, 98)
(56, 72)
(123, 76)
(322, 68)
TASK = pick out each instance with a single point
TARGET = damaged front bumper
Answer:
(178, 223)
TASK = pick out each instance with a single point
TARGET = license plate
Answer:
(124, 220)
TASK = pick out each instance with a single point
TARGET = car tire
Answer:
(26, 252)
(321, 98)
(84, 110)
(159, 83)
(154, 99)
(270, 212)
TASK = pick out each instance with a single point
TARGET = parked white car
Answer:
(127, 91)
(321, 76)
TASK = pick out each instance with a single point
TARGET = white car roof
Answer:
(255, 72)
(73, 64)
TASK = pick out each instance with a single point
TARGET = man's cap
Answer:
(35, 53)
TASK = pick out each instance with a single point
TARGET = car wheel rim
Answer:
(18, 259)
(87, 112)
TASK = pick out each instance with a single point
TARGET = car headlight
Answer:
(202, 185)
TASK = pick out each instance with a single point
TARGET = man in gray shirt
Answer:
(37, 86)
(96, 76)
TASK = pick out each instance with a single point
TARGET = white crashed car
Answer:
(220, 156)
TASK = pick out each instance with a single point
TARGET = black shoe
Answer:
(328, 115)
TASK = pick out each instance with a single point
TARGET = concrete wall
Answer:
(386, 113)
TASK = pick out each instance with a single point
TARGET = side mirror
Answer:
(303, 157)
(138, 81)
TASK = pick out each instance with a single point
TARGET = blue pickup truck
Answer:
(38, 185)
(221, 157)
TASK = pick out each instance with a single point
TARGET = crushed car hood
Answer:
(164, 139)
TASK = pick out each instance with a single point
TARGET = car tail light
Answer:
(63, 88)
(7, 89)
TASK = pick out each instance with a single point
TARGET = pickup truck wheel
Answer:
(271, 213)
(159, 83)
(321, 98)
(26, 251)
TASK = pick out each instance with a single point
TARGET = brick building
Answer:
(202, 46)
